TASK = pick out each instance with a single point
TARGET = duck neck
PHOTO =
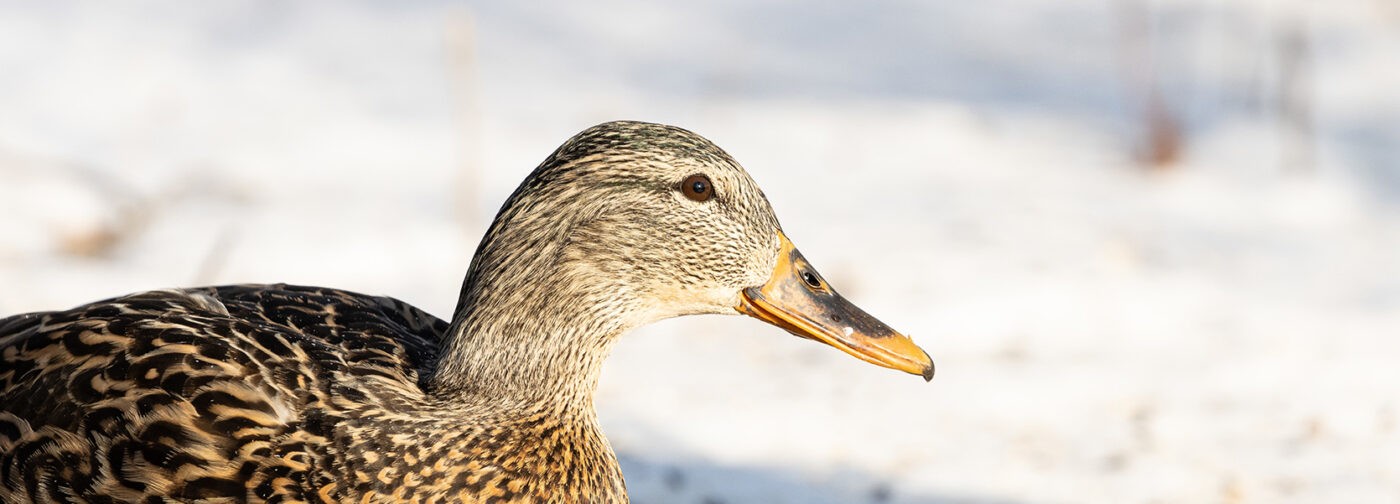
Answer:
(540, 351)
(531, 330)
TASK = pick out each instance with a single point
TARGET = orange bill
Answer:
(800, 301)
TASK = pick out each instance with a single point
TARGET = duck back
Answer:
(220, 393)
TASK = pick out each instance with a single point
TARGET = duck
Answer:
(284, 393)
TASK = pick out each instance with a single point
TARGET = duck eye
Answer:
(697, 187)
(811, 280)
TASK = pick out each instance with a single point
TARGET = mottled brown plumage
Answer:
(278, 393)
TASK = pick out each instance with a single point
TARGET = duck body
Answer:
(268, 393)
(279, 393)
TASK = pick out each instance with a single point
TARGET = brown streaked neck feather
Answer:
(524, 350)
(533, 324)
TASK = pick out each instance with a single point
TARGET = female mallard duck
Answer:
(278, 393)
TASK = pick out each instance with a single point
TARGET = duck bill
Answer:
(800, 301)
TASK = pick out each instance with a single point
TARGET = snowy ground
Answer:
(1220, 331)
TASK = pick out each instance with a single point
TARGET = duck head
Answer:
(628, 223)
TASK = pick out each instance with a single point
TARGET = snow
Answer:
(1219, 331)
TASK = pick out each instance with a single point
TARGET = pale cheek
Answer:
(765, 262)
(729, 300)
(713, 299)
(676, 301)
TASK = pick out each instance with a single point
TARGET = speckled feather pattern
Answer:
(278, 393)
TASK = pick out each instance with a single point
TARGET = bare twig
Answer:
(462, 67)
(1161, 142)
(1295, 111)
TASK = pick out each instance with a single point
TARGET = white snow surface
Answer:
(1223, 330)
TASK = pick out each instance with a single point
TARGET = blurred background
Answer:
(1152, 245)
